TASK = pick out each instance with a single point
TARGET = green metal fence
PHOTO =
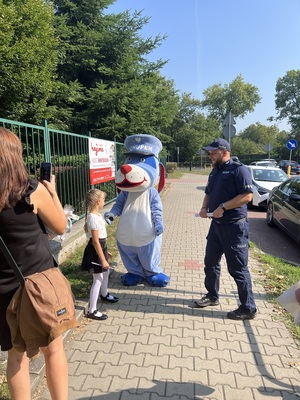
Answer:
(69, 155)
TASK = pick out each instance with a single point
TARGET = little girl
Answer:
(96, 254)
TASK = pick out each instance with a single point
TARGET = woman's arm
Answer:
(48, 206)
(98, 248)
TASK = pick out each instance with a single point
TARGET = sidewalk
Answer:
(155, 345)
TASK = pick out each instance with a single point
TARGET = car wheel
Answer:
(270, 217)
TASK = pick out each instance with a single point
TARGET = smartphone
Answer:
(46, 170)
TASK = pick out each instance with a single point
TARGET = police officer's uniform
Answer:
(229, 234)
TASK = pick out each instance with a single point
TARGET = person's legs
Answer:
(149, 257)
(56, 369)
(94, 294)
(235, 242)
(104, 284)
(105, 296)
(130, 259)
(18, 377)
(95, 290)
(212, 269)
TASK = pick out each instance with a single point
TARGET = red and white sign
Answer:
(102, 160)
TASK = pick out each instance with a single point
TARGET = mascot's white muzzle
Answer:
(134, 178)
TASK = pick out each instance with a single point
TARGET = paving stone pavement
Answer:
(156, 345)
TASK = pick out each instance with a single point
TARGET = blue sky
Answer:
(212, 41)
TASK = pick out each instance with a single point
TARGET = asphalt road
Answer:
(271, 240)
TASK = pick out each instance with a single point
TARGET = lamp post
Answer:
(177, 156)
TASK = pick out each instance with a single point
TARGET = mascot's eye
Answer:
(143, 159)
(128, 159)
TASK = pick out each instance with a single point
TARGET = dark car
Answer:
(283, 207)
(295, 167)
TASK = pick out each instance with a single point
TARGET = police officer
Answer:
(227, 193)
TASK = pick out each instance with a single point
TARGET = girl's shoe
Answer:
(109, 298)
(97, 315)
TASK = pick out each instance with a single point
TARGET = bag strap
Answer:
(11, 261)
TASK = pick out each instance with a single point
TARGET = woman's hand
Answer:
(50, 186)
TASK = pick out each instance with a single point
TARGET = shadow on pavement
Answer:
(189, 391)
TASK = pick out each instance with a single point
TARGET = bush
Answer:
(171, 167)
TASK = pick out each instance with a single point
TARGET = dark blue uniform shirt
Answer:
(226, 182)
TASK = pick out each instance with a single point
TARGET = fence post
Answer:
(47, 141)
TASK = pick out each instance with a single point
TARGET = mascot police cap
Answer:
(143, 144)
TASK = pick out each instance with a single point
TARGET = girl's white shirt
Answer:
(95, 222)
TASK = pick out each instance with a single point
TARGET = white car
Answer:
(265, 163)
(264, 179)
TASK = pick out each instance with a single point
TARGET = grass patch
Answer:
(276, 277)
(178, 173)
(4, 392)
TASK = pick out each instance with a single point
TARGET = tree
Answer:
(242, 147)
(146, 105)
(255, 137)
(103, 56)
(261, 134)
(238, 97)
(190, 130)
(28, 53)
(287, 98)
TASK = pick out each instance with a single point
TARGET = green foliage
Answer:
(116, 90)
(171, 167)
(4, 391)
(261, 134)
(28, 59)
(238, 97)
(277, 277)
(190, 130)
(287, 98)
(144, 105)
(243, 146)
(254, 139)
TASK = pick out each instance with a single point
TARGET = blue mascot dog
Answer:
(140, 228)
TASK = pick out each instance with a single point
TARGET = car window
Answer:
(286, 188)
(257, 174)
(278, 176)
(295, 187)
(263, 175)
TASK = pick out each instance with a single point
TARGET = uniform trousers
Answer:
(230, 239)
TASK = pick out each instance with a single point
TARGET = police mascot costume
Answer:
(140, 228)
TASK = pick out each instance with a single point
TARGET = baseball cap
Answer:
(220, 143)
